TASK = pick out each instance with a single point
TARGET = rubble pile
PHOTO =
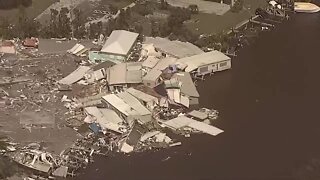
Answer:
(77, 108)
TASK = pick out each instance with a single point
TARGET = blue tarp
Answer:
(95, 128)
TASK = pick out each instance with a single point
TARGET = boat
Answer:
(305, 7)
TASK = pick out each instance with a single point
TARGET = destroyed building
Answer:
(206, 63)
(128, 107)
(123, 75)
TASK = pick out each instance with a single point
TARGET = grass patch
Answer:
(37, 7)
(211, 23)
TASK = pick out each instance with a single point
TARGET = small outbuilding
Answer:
(119, 45)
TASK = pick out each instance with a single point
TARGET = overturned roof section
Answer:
(124, 73)
(174, 48)
(142, 95)
(134, 103)
(187, 85)
(75, 75)
(196, 61)
(120, 42)
(183, 121)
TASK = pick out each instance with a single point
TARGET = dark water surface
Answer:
(269, 105)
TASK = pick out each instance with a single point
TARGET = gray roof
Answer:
(187, 85)
(152, 75)
(165, 62)
(175, 48)
(150, 62)
(120, 42)
(124, 73)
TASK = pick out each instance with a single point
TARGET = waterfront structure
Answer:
(187, 88)
(206, 63)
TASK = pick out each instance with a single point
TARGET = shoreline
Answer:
(248, 22)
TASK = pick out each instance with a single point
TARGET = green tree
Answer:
(193, 8)
(164, 5)
(5, 28)
(238, 6)
(95, 29)
(64, 24)
(78, 24)
(22, 21)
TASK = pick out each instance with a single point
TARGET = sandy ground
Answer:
(204, 6)
(36, 113)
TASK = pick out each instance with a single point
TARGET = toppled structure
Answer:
(206, 63)
(114, 105)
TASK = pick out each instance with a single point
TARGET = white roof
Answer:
(178, 122)
(75, 76)
(152, 75)
(165, 62)
(106, 118)
(141, 95)
(198, 114)
(196, 61)
(175, 48)
(183, 121)
(150, 62)
(111, 116)
(119, 42)
(120, 105)
(134, 103)
(124, 73)
(205, 128)
(76, 49)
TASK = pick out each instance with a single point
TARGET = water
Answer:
(269, 106)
